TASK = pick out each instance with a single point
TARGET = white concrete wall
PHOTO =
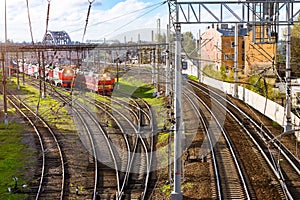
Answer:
(191, 69)
(267, 107)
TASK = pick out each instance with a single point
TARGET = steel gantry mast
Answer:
(263, 17)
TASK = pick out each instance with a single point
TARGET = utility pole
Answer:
(153, 68)
(17, 69)
(139, 53)
(4, 88)
(23, 74)
(288, 125)
(157, 52)
(199, 69)
(167, 60)
(4, 57)
(176, 193)
(236, 60)
(42, 67)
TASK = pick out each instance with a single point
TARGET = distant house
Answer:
(218, 46)
(260, 53)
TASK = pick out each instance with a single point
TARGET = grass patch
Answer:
(275, 124)
(13, 156)
(167, 190)
(51, 110)
(136, 88)
(192, 77)
(162, 138)
(187, 185)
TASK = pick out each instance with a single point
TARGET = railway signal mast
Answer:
(262, 16)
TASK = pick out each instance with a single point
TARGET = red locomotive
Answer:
(61, 76)
(102, 83)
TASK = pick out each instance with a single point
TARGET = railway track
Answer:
(80, 167)
(137, 164)
(136, 172)
(109, 187)
(229, 173)
(50, 181)
(102, 155)
(283, 166)
(94, 141)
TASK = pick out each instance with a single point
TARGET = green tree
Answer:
(295, 49)
(189, 44)
(260, 85)
(209, 71)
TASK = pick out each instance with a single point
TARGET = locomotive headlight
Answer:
(68, 71)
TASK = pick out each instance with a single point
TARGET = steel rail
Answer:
(139, 137)
(271, 165)
(211, 145)
(42, 146)
(230, 146)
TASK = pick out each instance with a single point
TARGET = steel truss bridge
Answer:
(57, 38)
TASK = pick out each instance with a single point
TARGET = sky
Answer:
(107, 19)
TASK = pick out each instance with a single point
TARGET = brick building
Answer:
(218, 44)
(217, 49)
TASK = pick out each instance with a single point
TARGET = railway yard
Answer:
(177, 117)
(116, 147)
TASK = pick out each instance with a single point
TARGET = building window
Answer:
(243, 57)
(232, 44)
(226, 57)
(243, 69)
(232, 56)
(226, 69)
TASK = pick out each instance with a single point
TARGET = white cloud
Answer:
(70, 15)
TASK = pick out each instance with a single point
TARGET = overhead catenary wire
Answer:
(29, 22)
(87, 18)
(47, 18)
(122, 26)
(117, 17)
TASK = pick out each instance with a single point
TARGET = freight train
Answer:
(68, 76)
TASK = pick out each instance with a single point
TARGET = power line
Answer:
(87, 18)
(29, 21)
(47, 19)
(117, 17)
(120, 27)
